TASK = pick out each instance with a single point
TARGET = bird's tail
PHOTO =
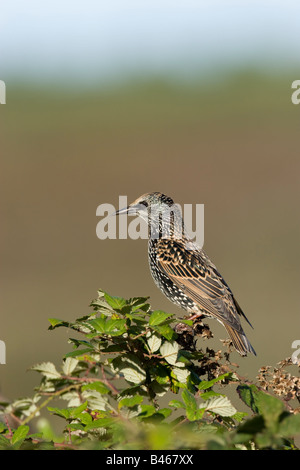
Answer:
(240, 341)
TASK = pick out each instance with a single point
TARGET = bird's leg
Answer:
(196, 315)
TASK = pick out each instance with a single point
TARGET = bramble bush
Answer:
(135, 380)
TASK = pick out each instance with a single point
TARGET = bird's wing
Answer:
(198, 278)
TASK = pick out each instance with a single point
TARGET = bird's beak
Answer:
(121, 211)
(130, 210)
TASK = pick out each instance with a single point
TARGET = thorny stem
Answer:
(53, 395)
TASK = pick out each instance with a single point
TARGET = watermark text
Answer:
(296, 94)
(2, 92)
(296, 354)
(2, 352)
(154, 223)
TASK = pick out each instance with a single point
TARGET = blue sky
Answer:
(97, 40)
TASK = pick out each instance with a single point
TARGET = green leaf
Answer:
(177, 404)
(166, 331)
(262, 403)
(115, 302)
(146, 411)
(153, 341)
(189, 400)
(20, 434)
(2, 427)
(247, 394)
(99, 386)
(239, 416)
(219, 405)
(69, 365)
(130, 402)
(109, 326)
(181, 374)
(75, 412)
(136, 318)
(139, 303)
(251, 427)
(100, 423)
(47, 369)
(158, 317)
(289, 426)
(62, 412)
(4, 443)
(55, 322)
(169, 351)
(134, 374)
(131, 367)
(190, 405)
(205, 384)
(209, 394)
(269, 407)
(115, 327)
(80, 352)
(69, 413)
(85, 418)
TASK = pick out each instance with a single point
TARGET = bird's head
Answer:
(148, 204)
(159, 212)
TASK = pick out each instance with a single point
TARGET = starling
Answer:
(182, 270)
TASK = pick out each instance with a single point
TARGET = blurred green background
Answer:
(228, 139)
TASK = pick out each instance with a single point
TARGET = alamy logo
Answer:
(2, 92)
(295, 356)
(296, 95)
(160, 221)
(2, 352)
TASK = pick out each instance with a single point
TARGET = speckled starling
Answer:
(182, 270)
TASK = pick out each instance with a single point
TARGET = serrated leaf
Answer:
(269, 407)
(139, 303)
(130, 366)
(108, 326)
(181, 374)
(209, 394)
(56, 322)
(134, 375)
(166, 331)
(130, 402)
(157, 317)
(147, 411)
(99, 386)
(69, 413)
(219, 405)
(260, 402)
(2, 427)
(189, 400)
(153, 341)
(95, 400)
(78, 410)
(159, 389)
(290, 426)
(80, 352)
(205, 384)
(47, 369)
(62, 412)
(69, 365)
(177, 404)
(169, 350)
(115, 302)
(239, 416)
(247, 394)
(20, 434)
(100, 423)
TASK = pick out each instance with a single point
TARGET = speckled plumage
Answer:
(183, 272)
